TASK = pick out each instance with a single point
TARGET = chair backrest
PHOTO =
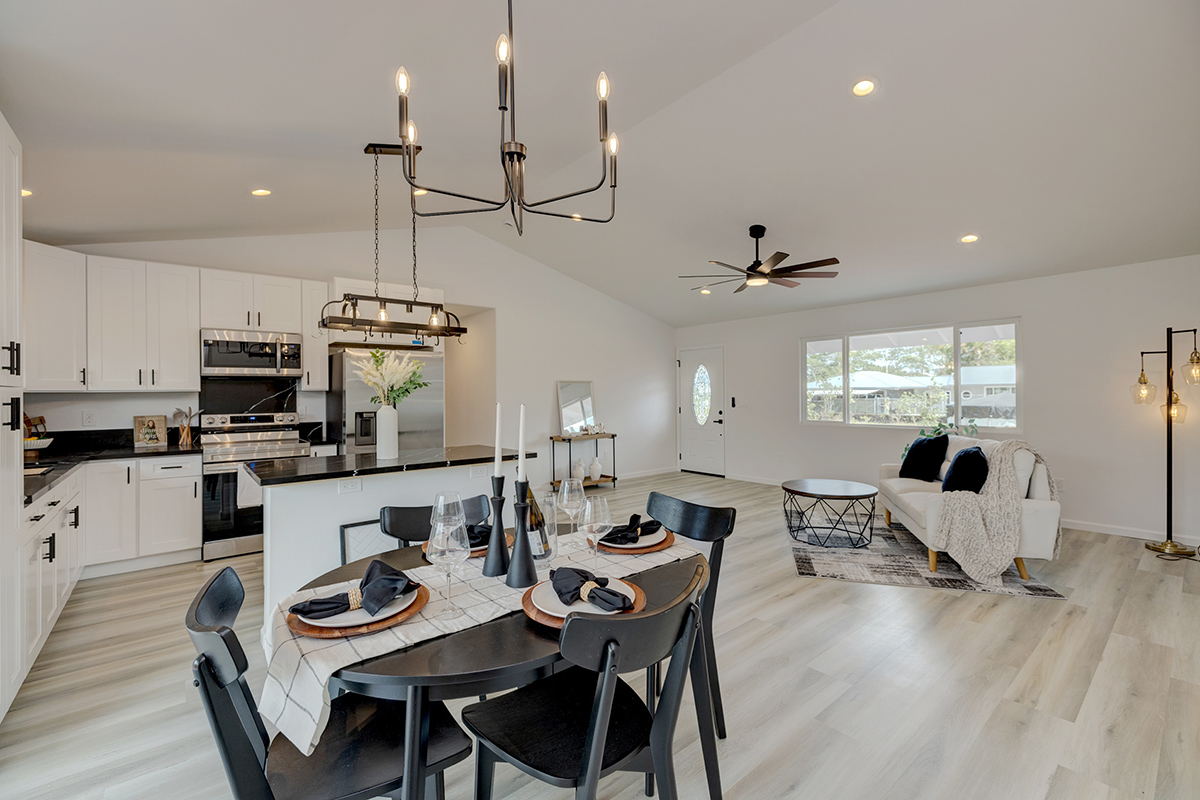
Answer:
(701, 523)
(627, 642)
(219, 672)
(411, 523)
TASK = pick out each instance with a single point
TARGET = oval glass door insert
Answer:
(701, 395)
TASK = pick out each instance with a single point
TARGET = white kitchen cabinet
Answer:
(314, 352)
(112, 508)
(54, 338)
(76, 522)
(169, 515)
(31, 597)
(48, 604)
(226, 299)
(173, 327)
(116, 324)
(10, 257)
(12, 479)
(278, 304)
(12, 638)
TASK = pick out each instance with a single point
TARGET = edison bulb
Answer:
(503, 49)
(433, 318)
(402, 81)
(383, 312)
(412, 132)
(602, 86)
(614, 144)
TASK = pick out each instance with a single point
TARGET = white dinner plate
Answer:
(359, 616)
(658, 537)
(545, 600)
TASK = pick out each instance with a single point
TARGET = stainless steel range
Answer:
(232, 499)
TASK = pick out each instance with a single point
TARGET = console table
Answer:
(583, 437)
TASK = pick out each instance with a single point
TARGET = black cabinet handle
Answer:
(152, 379)
(37, 518)
(127, 475)
(50, 541)
(173, 466)
(14, 357)
(247, 319)
(14, 415)
(83, 376)
(308, 378)
(195, 489)
(74, 523)
(139, 377)
(53, 503)
(260, 319)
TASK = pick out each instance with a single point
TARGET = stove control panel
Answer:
(249, 420)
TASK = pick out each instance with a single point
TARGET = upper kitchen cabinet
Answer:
(116, 324)
(277, 304)
(226, 299)
(173, 327)
(314, 353)
(10, 257)
(54, 342)
(143, 323)
(242, 301)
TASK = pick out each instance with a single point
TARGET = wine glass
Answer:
(597, 520)
(447, 507)
(448, 547)
(571, 500)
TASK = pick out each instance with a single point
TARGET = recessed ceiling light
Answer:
(260, 192)
(576, 217)
(419, 192)
(863, 87)
(26, 192)
(970, 238)
(706, 290)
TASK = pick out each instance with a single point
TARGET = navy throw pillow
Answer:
(968, 471)
(925, 457)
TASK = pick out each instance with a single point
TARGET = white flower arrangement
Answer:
(392, 378)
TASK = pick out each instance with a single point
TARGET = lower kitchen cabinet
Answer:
(31, 599)
(12, 638)
(169, 515)
(112, 510)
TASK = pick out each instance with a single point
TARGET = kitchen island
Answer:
(306, 500)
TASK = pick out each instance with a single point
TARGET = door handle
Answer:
(14, 417)
(718, 422)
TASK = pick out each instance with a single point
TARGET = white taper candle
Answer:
(496, 467)
(521, 447)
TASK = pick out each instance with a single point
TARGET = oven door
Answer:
(228, 530)
(235, 353)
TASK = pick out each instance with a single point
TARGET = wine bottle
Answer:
(536, 526)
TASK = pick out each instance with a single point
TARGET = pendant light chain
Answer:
(414, 223)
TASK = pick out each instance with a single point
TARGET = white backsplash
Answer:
(65, 411)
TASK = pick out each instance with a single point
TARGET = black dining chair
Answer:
(411, 523)
(360, 754)
(584, 722)
(702, 524)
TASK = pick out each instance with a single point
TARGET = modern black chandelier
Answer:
(512, 152)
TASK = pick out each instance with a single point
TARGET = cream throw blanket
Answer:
(983, 531)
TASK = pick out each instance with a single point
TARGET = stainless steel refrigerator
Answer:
(350, 414)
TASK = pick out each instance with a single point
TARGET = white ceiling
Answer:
(1063, 133)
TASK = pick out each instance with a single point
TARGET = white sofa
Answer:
(918, 504)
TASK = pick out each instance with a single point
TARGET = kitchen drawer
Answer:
(168, 467)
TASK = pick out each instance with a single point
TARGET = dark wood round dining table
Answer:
(500, 654)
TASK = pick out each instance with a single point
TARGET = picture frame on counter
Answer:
(150, 432)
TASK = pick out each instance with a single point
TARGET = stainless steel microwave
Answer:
(234, 353)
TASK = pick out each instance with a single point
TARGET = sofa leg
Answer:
(932, 560)
(1020, 562)
(887, 517)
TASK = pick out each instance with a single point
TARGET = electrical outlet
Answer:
(89, 419)
(304, 412)
(350, 486)
(479, 471)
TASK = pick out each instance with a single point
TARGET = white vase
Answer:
(387, 433)
(595, 470)
(579, 472)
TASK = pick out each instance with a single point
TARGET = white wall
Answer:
(1080, 338)
(471, 382)
(64, 411)
(548, 326)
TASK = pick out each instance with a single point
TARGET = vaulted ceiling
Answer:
(1062, 132)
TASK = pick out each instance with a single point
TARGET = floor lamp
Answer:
(1174, 412)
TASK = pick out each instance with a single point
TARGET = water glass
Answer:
(597, 522)
(571, 500)
(448, 547)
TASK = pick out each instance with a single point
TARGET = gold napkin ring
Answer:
(355, 595)
(586, 590)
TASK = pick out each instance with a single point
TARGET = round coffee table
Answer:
(807, 509)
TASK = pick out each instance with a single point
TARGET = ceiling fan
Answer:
(760, 273)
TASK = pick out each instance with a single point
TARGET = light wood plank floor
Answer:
(833, 690)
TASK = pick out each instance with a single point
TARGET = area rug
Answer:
(897, 558)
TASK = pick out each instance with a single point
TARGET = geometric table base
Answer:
(855, 522)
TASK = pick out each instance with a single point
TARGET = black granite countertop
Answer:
(302, 470)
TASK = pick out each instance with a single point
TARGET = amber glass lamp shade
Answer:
(1174, 409)
(1143, 391)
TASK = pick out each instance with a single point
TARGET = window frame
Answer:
(957, 386)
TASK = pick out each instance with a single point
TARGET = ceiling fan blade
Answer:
(729, 266)
(707, 276)
(718, 283)
(825, 262)
(783, 282)
(770, 263)
(814, 275)
(741, 288)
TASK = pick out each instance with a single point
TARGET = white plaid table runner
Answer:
(295, 698)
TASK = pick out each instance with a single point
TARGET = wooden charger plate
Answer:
(299, 626)
(479, 553)
(537, 615)
(637, 551)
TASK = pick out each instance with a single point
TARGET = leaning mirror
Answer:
(576, 410)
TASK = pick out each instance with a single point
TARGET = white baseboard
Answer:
(1131, 533)
(134, 564)
(753, 479)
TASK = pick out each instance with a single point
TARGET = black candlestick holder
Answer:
(522, 572)
(496, 561)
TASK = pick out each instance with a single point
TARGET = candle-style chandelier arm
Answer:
(603, 177)
(410, 179)
(612, 210)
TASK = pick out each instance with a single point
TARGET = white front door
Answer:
(702, 410)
